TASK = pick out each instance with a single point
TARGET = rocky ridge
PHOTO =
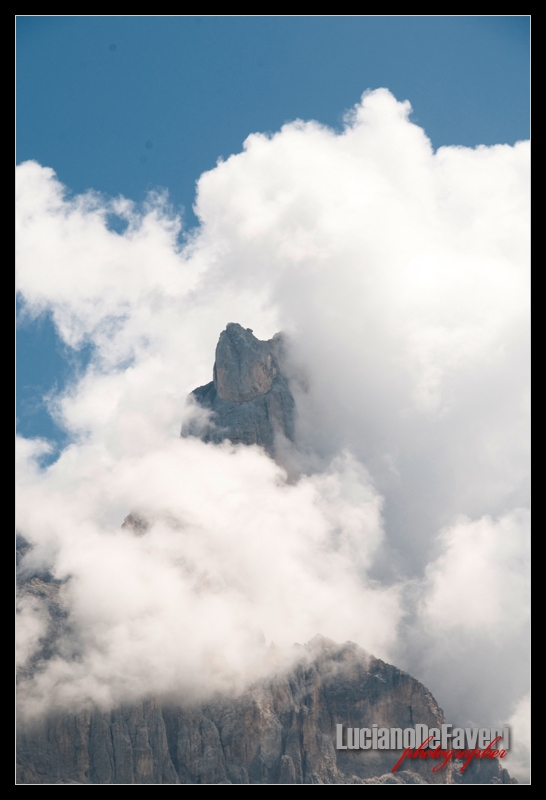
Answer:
(279, 731)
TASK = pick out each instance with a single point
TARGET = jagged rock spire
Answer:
(249, 396)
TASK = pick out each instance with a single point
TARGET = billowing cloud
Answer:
(232, 554)
(517, 760)
(491, 557)
(400, 275)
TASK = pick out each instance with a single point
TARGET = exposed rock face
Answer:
(281, 730)
(249, 396)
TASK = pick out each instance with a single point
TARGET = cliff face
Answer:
(249, 396)
(281, 730)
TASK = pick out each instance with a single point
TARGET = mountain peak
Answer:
(249, 396)
(245, 366)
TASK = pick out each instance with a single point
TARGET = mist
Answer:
(400, 277)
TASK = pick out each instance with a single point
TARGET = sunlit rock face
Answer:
(245, 367)
(249, 396)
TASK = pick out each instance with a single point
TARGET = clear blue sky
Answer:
(128, 104)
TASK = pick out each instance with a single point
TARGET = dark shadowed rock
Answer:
(249, 397)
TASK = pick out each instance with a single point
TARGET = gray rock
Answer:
(136, 523)
(249, 397)
(280, 731)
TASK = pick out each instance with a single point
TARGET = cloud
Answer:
(400, 275)
(31, 628)
(480, 580)
(232, 553)
(518, 759)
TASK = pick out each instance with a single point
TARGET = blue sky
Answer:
(123, 105)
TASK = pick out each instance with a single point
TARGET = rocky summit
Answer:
(249, 397)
